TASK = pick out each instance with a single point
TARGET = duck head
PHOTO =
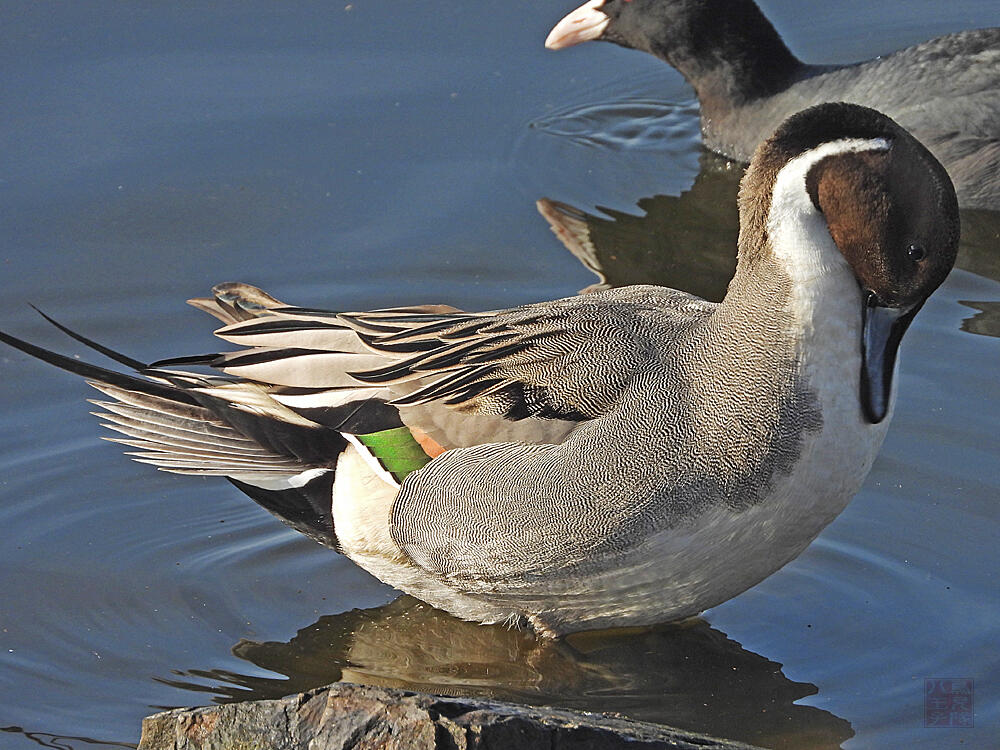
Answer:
(886, 202)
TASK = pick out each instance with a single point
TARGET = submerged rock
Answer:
(355, 717)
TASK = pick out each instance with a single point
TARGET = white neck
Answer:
(825, 297)
(825, 306)
(799, 235)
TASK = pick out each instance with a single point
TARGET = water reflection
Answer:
(689, 241)
(63, 741)
(986, 322)
(689, 675)
(980, 250)
(623, 124)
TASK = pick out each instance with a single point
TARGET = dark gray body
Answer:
(946, 92)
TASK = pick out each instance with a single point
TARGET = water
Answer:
(365, 155)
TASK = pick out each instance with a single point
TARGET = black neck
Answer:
(728, 51)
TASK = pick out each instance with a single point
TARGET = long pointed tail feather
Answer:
(107, 352)
(206, 425)
(94, 372)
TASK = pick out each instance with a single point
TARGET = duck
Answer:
(945, 91)
(626, 457)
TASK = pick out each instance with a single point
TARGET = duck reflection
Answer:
(687, 675)
(980, 253)
(688, 241)
(986, 322)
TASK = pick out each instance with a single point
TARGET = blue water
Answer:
(366, 154)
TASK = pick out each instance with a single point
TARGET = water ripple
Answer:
(627, 124)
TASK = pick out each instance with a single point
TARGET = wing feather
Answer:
(279, 331)
(302, 368)
(564, 360)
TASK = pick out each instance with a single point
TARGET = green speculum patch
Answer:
(396, 450)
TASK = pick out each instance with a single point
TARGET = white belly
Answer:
(362, 503)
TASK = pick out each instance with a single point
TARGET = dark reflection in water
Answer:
(63, 742)
(980, 251)
(986, 322)
(688, 675)
(689, 241)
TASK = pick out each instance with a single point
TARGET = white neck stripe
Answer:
(798, 232)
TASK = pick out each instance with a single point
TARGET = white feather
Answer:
(321, 370)
(325, 338)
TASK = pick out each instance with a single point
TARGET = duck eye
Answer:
(916, 252)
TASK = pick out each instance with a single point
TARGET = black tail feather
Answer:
(95, 372)
(185, 361)
(109, 353)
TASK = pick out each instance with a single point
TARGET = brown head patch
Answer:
(892, 216)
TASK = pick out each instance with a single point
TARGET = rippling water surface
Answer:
(366, 154)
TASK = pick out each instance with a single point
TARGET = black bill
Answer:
(883, 329)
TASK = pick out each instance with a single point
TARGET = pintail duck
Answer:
(946, 91)
(619, 458)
